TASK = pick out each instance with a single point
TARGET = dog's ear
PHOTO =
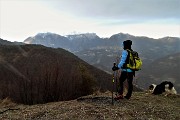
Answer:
(151, 87)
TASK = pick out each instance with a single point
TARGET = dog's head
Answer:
(151, 88)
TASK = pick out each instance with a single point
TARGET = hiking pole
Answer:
(113, 84)
(116, 75)
(115, 78)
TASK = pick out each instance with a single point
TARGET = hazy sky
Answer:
(20, 19)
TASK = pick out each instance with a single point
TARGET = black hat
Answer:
(127, 43)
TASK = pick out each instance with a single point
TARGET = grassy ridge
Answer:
(98, 107)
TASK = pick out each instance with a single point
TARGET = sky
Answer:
(20, 19)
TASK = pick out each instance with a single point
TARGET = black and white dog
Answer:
(165, 87)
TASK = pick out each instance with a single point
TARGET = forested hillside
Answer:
(33, 74)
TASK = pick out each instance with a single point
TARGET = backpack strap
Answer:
(127, 59)
(128, 56)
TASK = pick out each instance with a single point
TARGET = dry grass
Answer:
(98, 107)
(7, 102)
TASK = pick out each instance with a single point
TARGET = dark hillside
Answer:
(33, 74)
(5, 42)
(36, 74)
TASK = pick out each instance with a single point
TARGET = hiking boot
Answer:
(127, 97)
(118, 97)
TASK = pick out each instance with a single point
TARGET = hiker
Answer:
(125, 72)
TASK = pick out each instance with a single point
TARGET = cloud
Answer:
(121, 9)
(20, 19)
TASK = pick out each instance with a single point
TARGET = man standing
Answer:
(126, 73)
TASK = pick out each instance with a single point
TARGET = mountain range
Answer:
(103, 52)
(91, 43)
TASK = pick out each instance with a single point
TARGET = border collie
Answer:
(165, 87)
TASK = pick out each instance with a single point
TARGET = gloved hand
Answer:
(114, 68)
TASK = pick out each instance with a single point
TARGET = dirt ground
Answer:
(141, 106)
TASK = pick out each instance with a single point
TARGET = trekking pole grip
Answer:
(114, 64)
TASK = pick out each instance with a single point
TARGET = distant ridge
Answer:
(85, 45)
(80, 42)
(5, 42)
(102, 52)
